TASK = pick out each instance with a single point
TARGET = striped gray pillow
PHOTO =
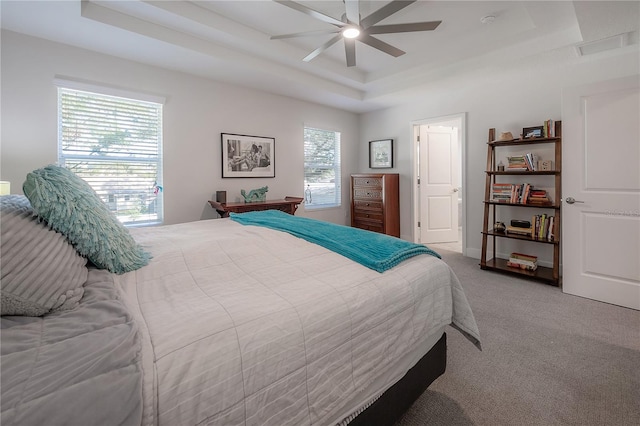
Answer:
(41, 272)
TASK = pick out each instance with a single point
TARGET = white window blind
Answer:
(115, 144)
(321, 168)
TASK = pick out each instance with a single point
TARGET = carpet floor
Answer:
(548, 358)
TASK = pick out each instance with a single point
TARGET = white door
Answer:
(601, 191)
(439, 183)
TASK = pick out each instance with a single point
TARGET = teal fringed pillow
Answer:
(72, 207)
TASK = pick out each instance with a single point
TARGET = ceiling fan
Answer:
(352, 28)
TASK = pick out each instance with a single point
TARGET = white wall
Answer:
(507, 97)
(197, 110)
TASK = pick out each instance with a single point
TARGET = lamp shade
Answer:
(5, 187)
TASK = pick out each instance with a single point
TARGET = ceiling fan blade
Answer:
(353, 11)
(384, 12)
(311, 12)
(350, 50)
(322, 48)
(403, 28)
(381, 45)
(305, 34)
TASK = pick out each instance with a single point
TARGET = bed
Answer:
(229, 324)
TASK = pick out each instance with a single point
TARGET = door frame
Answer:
(458, 120)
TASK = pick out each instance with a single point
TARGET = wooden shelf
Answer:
(519, 237)
(543, 273)
(490, 237)
(523, 172)
(538, 206)
(528, 141)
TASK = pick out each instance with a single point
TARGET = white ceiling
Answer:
(230, 40)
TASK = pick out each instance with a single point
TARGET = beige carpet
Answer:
(548, 358)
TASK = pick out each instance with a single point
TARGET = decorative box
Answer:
(545, 165)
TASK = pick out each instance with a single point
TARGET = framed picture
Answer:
(381, 154)
(245, 156)
(532, 132)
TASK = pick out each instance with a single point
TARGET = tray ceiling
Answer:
(230, 40)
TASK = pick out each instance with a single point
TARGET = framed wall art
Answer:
(381, 154)
(532, 132)
(245, 156)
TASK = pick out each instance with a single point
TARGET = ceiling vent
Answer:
(609, 43)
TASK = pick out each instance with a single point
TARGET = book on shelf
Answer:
(521, 266)
(523, 256)
(538, 196)
(501, 192)
(523, 163)
(522, 193)
(518, 230)
(543, 201)
(523, 261)
(549, 129)
(516, 163)
(551, 231)
(543, 227)
(532, 161)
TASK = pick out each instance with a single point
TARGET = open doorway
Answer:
(439, 209)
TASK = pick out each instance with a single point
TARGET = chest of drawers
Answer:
(375, 202)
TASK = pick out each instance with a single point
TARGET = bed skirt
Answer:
(392, 404)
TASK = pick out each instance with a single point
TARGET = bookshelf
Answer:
(523, 196)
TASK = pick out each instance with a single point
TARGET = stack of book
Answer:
(538, 197)
(523, 261)
(520, 227)
(502, 192)
(523, 163)
(517, 163)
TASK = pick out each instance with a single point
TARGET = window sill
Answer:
(321, 207)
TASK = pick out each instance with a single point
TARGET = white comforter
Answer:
(245, 325)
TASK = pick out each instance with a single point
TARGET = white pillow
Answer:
(41, 272)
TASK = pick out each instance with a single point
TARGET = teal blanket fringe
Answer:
(373, 250)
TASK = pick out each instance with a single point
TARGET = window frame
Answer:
(155, 159)
(337, 168)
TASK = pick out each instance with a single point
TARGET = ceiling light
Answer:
(351, 32)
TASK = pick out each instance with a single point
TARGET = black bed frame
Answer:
(399, 397)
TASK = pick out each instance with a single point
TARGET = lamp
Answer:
(5, 187)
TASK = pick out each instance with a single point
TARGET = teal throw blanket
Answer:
(373, 250)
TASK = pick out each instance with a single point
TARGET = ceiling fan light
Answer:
(351, 32)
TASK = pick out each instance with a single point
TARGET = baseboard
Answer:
(473, 253)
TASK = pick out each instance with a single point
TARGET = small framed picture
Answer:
(532, 132)
(248, 156)
(381, 154)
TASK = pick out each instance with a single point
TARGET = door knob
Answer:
(455, 189)
(571, 200)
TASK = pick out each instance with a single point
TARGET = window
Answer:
(115, 144)
(321, 168)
